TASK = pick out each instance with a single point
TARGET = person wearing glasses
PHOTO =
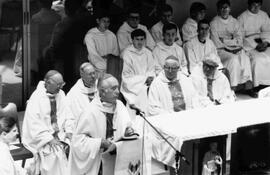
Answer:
(165, 17)
(83, 92)
(48, 125)
(168, 47)
(211, 83)
(132, 23)
(227, 37)
(256, 26)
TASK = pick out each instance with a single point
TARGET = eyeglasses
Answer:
(171, 68)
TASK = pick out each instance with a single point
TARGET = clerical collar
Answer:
(108, 107)
(50, 95)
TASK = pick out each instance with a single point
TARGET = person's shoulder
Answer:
(263, 13)
(156, 27)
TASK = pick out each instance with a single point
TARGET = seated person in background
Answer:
(83, 92)
(138, 71)
(8, 134)
(168, 47)
(101, 43)
(103, 123)
(211, 83)
(212, 161)
(256, 33)
(171, 90)
(132, 23)
(227, 36)
(47, 124)
(197, 13)
(166, 17)
(201, 48)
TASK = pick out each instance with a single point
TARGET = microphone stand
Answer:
(178, 154)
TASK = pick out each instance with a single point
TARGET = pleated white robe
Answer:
(85, 156)
(189, 29)
(37, 130)
(227, 33)
(257, 26)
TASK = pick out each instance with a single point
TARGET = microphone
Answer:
(138, 111)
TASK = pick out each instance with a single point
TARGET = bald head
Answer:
(53, 81)
(108, 87)
(172, 60)
(171, 67)
(88, 74)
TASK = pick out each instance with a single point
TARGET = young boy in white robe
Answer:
(83, 92)
(98, 128)
(255, 24)
(166, 17)
(8, 134)
(211, 83)
(101, 43)
(132, 23)
(227, 36)
(48, 125)
(201, 47)
(197, 13)
(168, 47)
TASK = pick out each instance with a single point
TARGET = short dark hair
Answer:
(138, 32)
(254, 1)
(169, 26)
(101, 13)
(203, 21)
(166, 8)
(6, 124)
(220, 3)
(195, 8)
(133, 10)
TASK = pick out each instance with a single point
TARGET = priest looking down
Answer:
(99, 127)
(227, 36)
(132, 23)
(168, 47)
(47, 123)
(84, 91)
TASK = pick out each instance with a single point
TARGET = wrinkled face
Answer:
(169, 37)
(89, 75)
(138, 42)
(133, 20)
(54, 84)
(103, 23)
(11, 136)
(209, 71)
(110, 90)
(255, 7)
(203, 31)
(200, 15)
(171, 68)
(224, 11)
(166, 17)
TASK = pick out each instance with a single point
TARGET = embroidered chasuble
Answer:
(210, 88)
(177, 96)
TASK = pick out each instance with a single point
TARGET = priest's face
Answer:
(54, 84)
(103, 23)
(169, 37)
(254, 7)
(224, 11)
(138, 42)
(166, 17)
(203, 31)
(11, 136)
(171, 68)
(110, 90)
(89, 75)
(133, 20)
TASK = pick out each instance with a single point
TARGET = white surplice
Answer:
(197, 51)
(227, 33)
(162, 51)
(86, 155)
(221, 87)
(78, 99)
(189, 29)
(257, 26)
(124, 36)
(157, 33)
(100, 44)
(37, 130)
(7, 164)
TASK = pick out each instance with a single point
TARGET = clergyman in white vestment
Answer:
(47, 122)
(98, 128)
(227, 36)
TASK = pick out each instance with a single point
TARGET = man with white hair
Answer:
(104, 122)
(84, 91)
(47, 123)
